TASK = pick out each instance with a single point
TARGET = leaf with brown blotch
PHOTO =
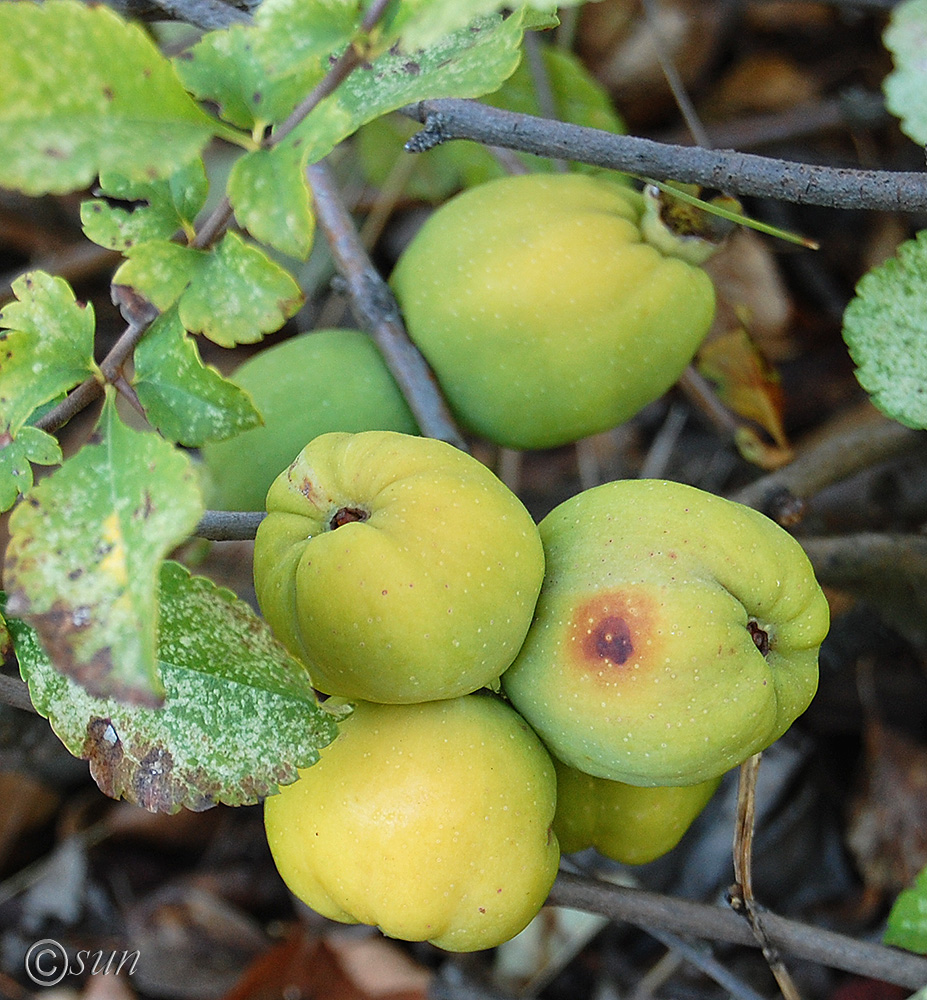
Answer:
(85, 546)
(239, 714)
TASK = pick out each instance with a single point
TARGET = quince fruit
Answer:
(626, 823)
(313, 383)
(429, 821)
(398, 568)
(545, 311)
(676, 634)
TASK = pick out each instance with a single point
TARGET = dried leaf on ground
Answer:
(887, 829)
(342, 966)
(192, 944)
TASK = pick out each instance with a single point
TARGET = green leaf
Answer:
(82, 93)
(907, 921)
(420, 23)
(239, 714)
(469, 62)
(46, 346)
(85, 546)
(29, 445)
(186, 400)
(268, 191)
(165, 207)
(161, 270)
(884, 326)
(293, 35)
(238, 70)
(232, 294)
(904, 88)
(271, 198)
(241, 295)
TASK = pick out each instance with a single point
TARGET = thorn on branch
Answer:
(128, 393)
(136, 310)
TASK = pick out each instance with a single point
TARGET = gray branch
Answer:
(209, 15)
(702, 920)
(229, 526)
(725, 170)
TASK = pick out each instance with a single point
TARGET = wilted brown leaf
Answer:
(750, 288)
(747, 384)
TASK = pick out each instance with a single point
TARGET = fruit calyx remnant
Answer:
(347, 515)
(678, 229)
(759, 636)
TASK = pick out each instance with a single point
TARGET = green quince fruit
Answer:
(398, 568)
(430, 821)
(624, 822)
(676, 634)
(545, 311)
(328, 380)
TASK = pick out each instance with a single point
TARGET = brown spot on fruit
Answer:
(610, 640)
(611, 630)
(347, 515)
(759, 636)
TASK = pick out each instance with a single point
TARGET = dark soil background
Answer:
(841, 804)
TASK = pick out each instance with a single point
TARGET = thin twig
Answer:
(341, 69)
(702, 395)
(742, 899)
(377, 310)
(673, 78)
(726, 170)
(89, 391)
(540, 80)
(139, 315)
(706, 963)
(869, 556)
(206, 14)
(704, 921)
(658, 455)
(15, 693)
(214, 225)
(852, 108)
